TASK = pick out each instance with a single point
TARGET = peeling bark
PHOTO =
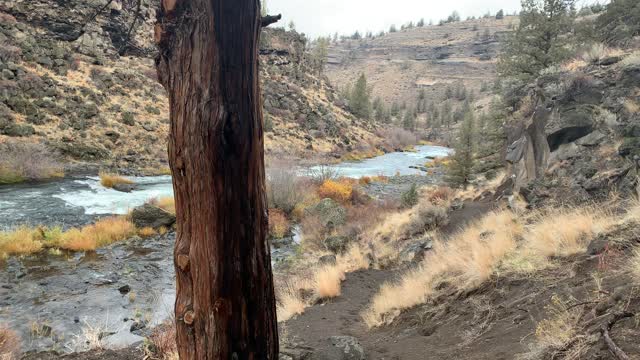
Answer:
(208, 62)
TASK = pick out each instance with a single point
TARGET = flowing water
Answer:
(54, 299)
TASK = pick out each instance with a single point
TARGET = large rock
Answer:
(341, 348)
(148, 215)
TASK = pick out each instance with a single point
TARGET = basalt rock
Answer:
(151, 216)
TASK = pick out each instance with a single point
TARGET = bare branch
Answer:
(615, 349)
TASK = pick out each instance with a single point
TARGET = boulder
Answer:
(341, 348)
(126, 188)
(148, 215)
(593, 139)
(415, 252)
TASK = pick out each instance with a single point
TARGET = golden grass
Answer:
(25, 241)
(634, 265)
(323, 281)
(498, 243)
(163, 341)
(21, 241)
(146, 232)
(423, 217)
(110, 180)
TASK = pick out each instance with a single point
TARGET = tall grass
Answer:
(9, 344)
(500, 242)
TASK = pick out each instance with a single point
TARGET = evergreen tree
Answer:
(539, 41)
(395, 109)
(421, 23)
(461, 167)
(392, 29)
(360, 102)
(409, 120)
(500, 14)
(319, 54)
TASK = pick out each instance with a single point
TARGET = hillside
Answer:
(399, 64)
(79, 78)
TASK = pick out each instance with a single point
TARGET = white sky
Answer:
(323, 17)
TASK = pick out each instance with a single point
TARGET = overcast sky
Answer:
(323, 17)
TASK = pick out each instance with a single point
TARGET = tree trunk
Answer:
(208, 63)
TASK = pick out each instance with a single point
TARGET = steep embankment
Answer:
(399, 64)
(78, 76)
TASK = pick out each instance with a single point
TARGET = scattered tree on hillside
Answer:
(492, 132)
(225, 305)
(319, 54)
(539, 41)
(620, 22)
(461, 168)
(500, 14)
(356, 36)
(392, 29)
(395, 109)
(409, 120)
(292, 26)
(359, 101)
(454, 17)
(420, 23)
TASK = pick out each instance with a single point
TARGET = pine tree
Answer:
(360, 102)
(539, 41)
(461, 167)
(319, 54)
(500, 14)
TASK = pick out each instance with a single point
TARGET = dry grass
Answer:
(498, 243)
(560, 327)
(278, 224)
(9, 344)
(110, 180)
(21, 241)
(146, 232)
(596, 52)
(167, 203)
(634, 265)
(328, 280)
(162, 342)
(104, 232)
(290, 302)
(423, 217)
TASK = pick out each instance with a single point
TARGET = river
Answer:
(77, 201)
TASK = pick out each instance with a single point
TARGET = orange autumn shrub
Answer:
(278, 223)
(339, 191)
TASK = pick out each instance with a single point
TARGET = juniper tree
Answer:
(620, 22)
(409, 120)
(359, 101)
(461, 167)
(539, 41)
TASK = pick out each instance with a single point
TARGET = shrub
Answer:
(339, 191)
(110, 180)
(398, 138)
(440, 195)
(365, 180)
(162, 342)
(283, 187)
(321, 173)
(22, 161)
(409, 198)
(278, 224)
(9, 344)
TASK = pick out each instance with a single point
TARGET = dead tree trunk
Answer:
(208, 62)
